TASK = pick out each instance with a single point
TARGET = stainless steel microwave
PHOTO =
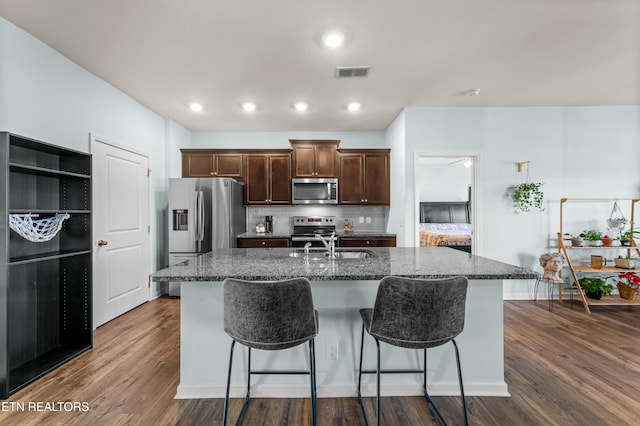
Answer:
(314, 191)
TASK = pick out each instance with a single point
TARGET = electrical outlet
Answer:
(368, 219)
(332, 349)
(361, 219)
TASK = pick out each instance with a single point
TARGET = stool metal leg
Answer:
(247, 398)
(312, 374)
(464, 403)
(378, 386)
(226, 398)
(364, 413)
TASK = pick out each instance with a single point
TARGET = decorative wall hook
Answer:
(521, 165)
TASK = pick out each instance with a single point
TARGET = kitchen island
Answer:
(340, 288)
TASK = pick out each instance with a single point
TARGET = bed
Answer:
(445, 224)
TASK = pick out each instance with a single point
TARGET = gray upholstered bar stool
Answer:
(415, 314)
(270, 316)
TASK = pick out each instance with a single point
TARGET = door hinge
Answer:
(148, 172)
(148, 229)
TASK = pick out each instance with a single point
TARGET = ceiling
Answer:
(168, 53)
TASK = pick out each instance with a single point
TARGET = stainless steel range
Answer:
(305, 229)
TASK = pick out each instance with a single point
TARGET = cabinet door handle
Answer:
(368, 242)
(215, 173)
(102, 242)
(264, 242)
(211, 173)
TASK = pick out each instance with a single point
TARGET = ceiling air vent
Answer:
(346, 72)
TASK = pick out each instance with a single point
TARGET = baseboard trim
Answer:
(346, 390)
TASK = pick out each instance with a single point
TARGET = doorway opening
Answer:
(447, 193)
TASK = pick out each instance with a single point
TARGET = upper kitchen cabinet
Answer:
(212, 163)
(314, 158)
(268, 178)
(364, 177)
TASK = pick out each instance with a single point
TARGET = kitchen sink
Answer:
(340, 254)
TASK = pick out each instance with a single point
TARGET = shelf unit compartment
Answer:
(71, 238)
(583, 266)
(35, 190)
(37, 154)
(50, 315)
(45, 288)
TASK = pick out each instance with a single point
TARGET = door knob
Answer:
(102, 242)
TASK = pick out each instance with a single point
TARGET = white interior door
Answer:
(120, 229)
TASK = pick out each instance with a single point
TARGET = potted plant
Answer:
(595, 287)
(628, 262)
(593, 237)
(608, 241)
(526, 196)
(627, 236)
(628, 283)
(576, 240)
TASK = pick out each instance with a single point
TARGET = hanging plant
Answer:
(527, 196)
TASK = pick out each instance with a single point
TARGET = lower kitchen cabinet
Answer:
(262, 242)
(368, 242)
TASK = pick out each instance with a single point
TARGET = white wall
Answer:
(280, 140)
(444, 182)
(47, 97)
(575, 151)
(400, 218)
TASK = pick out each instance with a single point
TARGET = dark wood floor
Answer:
(562, 368)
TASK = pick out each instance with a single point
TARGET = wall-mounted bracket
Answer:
(521, 165)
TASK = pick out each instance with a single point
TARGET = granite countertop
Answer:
(272, 264)
(254, 234)
(364, 234)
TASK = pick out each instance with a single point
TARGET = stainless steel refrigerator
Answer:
(204, 214)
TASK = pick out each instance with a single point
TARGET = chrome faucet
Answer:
(330, 244)
(306, 251)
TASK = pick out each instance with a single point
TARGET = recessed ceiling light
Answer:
(249, 106)
(333, 39)
(195, 106)
(301, 106)
(473, 92)
(354, 106)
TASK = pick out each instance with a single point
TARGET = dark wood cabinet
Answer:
(262, 242)
(364, 177)
(211, 163)
(314, 158)
(389, 241)
(45, 284)
(268, 178)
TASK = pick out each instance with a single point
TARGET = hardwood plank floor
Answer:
(562, 367)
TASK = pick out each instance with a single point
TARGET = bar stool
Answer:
(415, 314)
(270, 316)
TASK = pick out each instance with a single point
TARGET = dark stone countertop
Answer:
(362, 234)
(253, 234)
(272, 264)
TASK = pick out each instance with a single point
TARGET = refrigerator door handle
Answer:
(200, 216)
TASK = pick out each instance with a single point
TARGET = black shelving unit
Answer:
(45, 287)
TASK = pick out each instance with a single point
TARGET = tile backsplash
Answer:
(283, 223)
